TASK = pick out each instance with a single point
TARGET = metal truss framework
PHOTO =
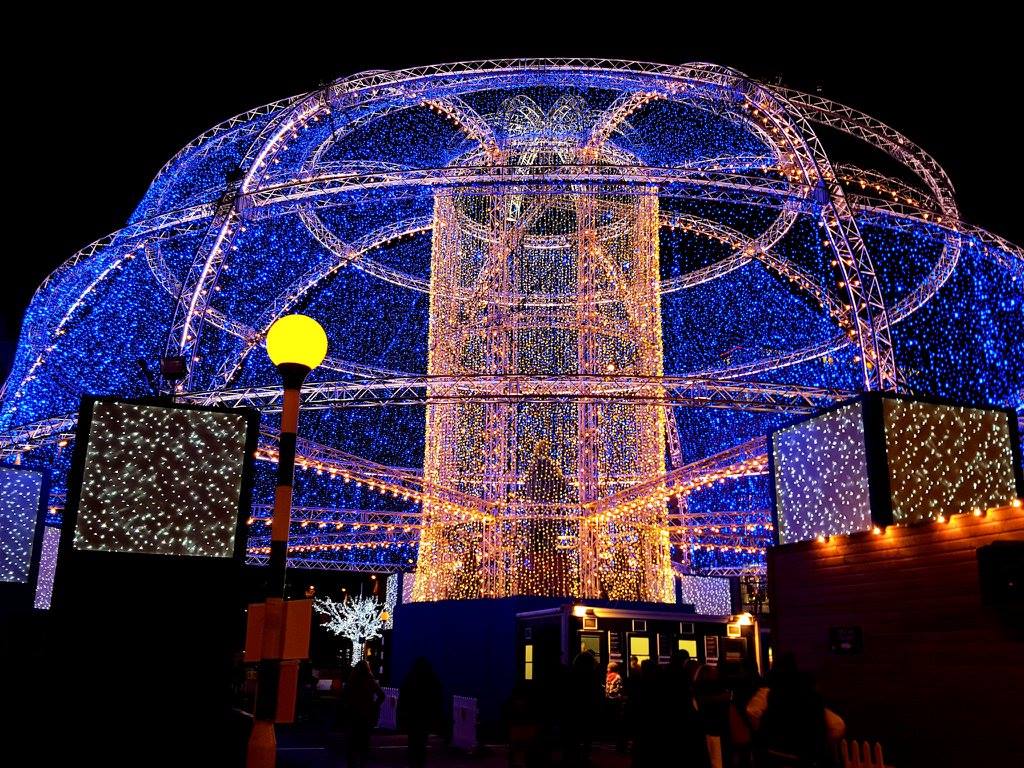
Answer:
(805, 150)
(666, 391)
(794, 178)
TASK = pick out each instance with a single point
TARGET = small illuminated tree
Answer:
(359, 619)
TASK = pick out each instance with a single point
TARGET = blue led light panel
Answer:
(20, 491)
(821, 476)
(946, 459)
(161, 480)
(709, 595)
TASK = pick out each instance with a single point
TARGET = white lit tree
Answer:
(359, 619)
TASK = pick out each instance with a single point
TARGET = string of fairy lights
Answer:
(821, 476)
(541, 278)
(708, 595)
(43, 595)
(161, 480)
(944, 459)
(544, 285)
(940, 460)
(20, 498)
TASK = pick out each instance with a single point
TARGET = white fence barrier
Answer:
(464, 714)
(389, 710)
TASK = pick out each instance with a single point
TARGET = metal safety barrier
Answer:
(389, 710)
(464, 716)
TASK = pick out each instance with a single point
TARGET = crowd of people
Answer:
(699, 715)
(695, 714)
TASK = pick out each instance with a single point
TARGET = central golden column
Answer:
(540, 304)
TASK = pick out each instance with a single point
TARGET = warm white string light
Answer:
(161, 480)
(942, 460)
(946, 459)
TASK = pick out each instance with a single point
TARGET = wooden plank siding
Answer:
(940, 680)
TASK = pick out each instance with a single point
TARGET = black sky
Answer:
(97, 110)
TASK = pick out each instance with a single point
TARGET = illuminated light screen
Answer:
(821, 476)
(161, 480)
(391, 600)
(708, 595)
(47, 567)
(946, 459)
(20, 491)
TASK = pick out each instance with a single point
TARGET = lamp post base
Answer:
(262, 752)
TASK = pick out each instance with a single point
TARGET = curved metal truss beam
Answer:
(866, 310)
(60, 429)
(344, 254)
(191, 308)
(991, 246)
(675, 81)
(616, 114)
(723, 571)
(743, 460)
(335, 516)
(468, 121)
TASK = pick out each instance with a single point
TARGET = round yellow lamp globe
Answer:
(297, 339)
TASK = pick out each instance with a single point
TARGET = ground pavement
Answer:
(388, 750)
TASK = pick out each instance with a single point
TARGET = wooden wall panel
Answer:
(940, 680)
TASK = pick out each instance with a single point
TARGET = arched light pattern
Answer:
(821, 476)
(161, 480)
(946, 459)
(347, 197)
(20, 492)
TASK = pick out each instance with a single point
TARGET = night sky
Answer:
(97, 113)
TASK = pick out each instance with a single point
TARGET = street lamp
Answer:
(296, 344)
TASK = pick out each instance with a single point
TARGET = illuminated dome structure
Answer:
(566, 301)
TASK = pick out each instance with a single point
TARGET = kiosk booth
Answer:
(551, 637)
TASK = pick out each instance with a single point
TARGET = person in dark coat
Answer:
(360, 702)
(648, 718)
(420, 709)
(583, 710)
(680, 729)
(795, 726)
(525, 728)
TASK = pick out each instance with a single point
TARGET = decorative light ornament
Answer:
(340, 219)
(391, 600)
(358, 619)
(47, 568)
(708, 595)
